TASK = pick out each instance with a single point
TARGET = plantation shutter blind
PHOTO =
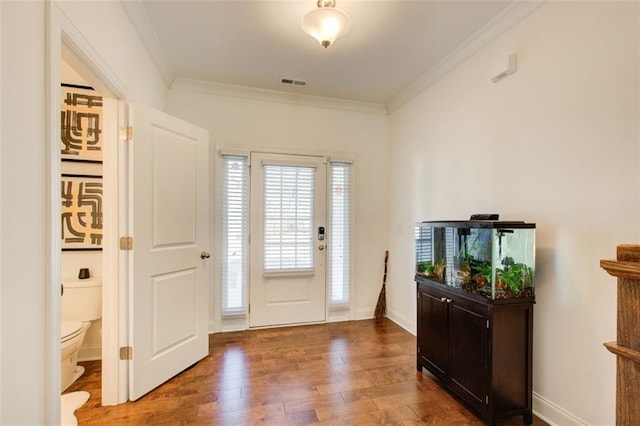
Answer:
(234, 235)
(288, 218)
(340, 235)
(424, 244)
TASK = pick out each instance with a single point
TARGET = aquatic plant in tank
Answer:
(514, 278)
(435, 271)
(425, 268)
(480, 277)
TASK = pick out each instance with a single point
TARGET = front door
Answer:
(168, 199)
(288, 212)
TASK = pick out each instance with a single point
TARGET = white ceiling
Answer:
(391, 45)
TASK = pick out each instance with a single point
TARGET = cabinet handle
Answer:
(448, 300)
(443, 299)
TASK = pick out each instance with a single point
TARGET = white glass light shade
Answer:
(326, 24)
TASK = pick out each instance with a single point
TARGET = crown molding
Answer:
(265, 95)
(509, 17)
(142, 24)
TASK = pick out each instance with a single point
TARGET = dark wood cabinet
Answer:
(480, 349)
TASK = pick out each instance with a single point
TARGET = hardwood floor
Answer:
(354, 372)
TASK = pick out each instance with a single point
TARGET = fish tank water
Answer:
(494, 259)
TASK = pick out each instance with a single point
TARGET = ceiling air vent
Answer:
(292, 82)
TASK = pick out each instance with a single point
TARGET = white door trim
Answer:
(52, 315)
(63, 33)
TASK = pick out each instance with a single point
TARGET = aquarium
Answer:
(495, 259)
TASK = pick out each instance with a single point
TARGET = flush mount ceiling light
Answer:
(326, 23)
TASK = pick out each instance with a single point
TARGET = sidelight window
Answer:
(234, 235)
(340, 235)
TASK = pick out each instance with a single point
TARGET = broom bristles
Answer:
(381, 306)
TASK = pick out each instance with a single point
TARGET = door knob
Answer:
(321, 247)
(205, 255)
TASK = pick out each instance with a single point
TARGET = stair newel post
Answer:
(626, 268)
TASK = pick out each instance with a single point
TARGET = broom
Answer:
(381, 307)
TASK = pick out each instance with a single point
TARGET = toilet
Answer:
(81, 304)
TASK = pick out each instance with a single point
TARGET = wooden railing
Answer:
(627, 346)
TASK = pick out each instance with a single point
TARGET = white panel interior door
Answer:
(168, 291)
(288, 207)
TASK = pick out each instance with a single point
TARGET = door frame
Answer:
(241, 323)
(66, 39)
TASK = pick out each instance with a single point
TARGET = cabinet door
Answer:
(468, 352)
(432, 330)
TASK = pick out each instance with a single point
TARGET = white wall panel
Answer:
(23, 171)
(556, 143)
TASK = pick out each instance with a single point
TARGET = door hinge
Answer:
(418, 349)
(126, 353)
(126, 243)
(126, 133)
(249, 307)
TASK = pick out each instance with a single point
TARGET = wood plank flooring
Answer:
(353, 373)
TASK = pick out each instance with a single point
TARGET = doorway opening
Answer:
(81, 213)
(88, 214)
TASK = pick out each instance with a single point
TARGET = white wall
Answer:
(264, 124)
(555, 144)
(107, 29)
(24, 191)
(23, 217)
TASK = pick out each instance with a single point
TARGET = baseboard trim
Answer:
(402, 321)
(90, 353)
(553, 413)
(363, 314)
